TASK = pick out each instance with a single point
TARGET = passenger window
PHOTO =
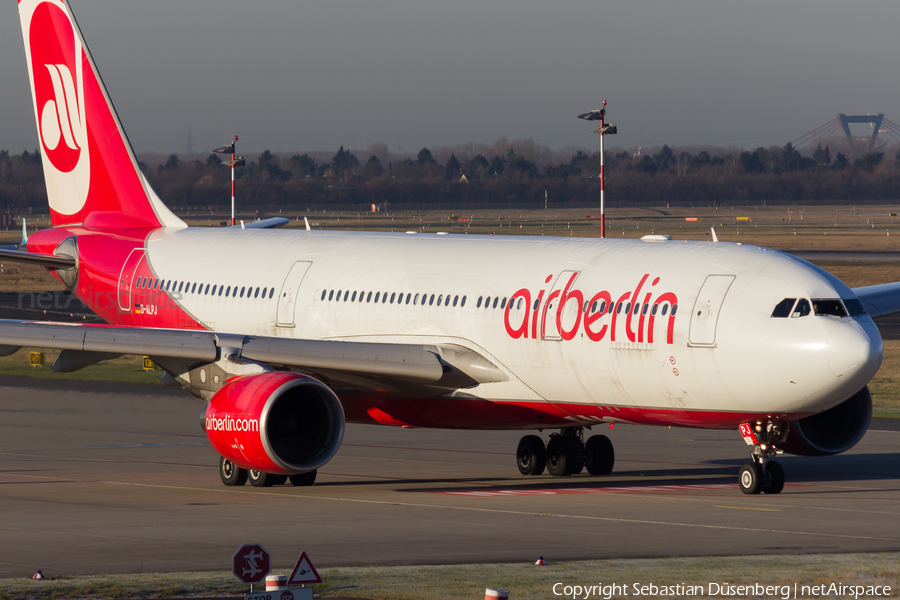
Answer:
(346, 295)
(637, 309)
(369, 298)
(431, 300)
(353, 298)
(479, 302)
(674, 309)
(463, 301)
(619, 308)
(324, 293)
(783, 308)
(221, 289)
(802, 309)
(653, 310)
(603, 306)
(393, 295)
(331, 295)
(646, 306)
(265, 289)
(180, 287)
(206, 292)
(665, 309)
(829, 308)
(455, 300)
(503, 304)
(242, 293)
(408, 297)
(271, 292)
(415, 299)
(377, 296)
(383, 297)
(628, 308)
(256, 293)
(228, 291)
(855, 308)
(194, 288)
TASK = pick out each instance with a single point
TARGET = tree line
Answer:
(506, 175)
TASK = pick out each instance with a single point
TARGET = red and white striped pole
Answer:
(602, 178)
(232, 180)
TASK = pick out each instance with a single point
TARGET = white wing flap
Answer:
(397, 361)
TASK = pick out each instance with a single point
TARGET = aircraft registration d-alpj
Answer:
(288, 335)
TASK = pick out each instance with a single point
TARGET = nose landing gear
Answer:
(565, 454)
(761, 474)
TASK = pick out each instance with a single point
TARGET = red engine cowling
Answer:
(276, 422)
(832, 431)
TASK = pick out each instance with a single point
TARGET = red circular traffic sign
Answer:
(251, 563)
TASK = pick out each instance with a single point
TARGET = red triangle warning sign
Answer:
(304, 572)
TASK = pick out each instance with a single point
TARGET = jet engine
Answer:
(276, 422)
(832, 431)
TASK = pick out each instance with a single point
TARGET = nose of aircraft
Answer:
(854, 351)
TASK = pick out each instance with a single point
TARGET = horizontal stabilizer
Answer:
(44, 260)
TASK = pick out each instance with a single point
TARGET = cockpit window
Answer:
(802, 309)
(783, 308)
(855, 308)
(829, 308)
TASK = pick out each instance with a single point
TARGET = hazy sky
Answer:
(313, 75)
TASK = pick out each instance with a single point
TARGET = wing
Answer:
(880, 300)
(365, 366)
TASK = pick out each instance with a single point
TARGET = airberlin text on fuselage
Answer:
(231, 424)
(636, 314)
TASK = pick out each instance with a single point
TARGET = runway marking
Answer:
(689, 487)
(151, 444)
(747, 508)
(445, 507)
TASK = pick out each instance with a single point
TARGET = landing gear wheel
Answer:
(557, 456)
(750, 478)
(774, 479)
(260, 479)
(531, 456)
(230, 473)
(599, 456)
(576, 457)
(304, 479)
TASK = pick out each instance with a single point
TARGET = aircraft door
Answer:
(287, 299)
(549, 330)
(126, 278)
(707, 308)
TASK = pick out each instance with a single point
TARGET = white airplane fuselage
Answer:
(711, 361)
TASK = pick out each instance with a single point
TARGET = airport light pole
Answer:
(599, 114)
(234, 162)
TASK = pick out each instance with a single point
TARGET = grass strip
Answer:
(523, 581)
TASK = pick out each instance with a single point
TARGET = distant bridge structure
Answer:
(833, 129)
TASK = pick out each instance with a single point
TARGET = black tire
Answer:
(557, 456)
(575, 461)
(774, 480)
(279, 479)
(260, 479)
(531, 456)
(599, 455)
(230, 473)
(750, 478)
(303, 479)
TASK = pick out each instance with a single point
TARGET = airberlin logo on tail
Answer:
(57, 62)
(563, 313)
(60, 119)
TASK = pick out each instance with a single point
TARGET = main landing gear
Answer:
(565, 454)
(761, 474)
(232, 474)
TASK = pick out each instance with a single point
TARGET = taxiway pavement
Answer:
(112, 478)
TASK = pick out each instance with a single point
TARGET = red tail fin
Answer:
(90, 169)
